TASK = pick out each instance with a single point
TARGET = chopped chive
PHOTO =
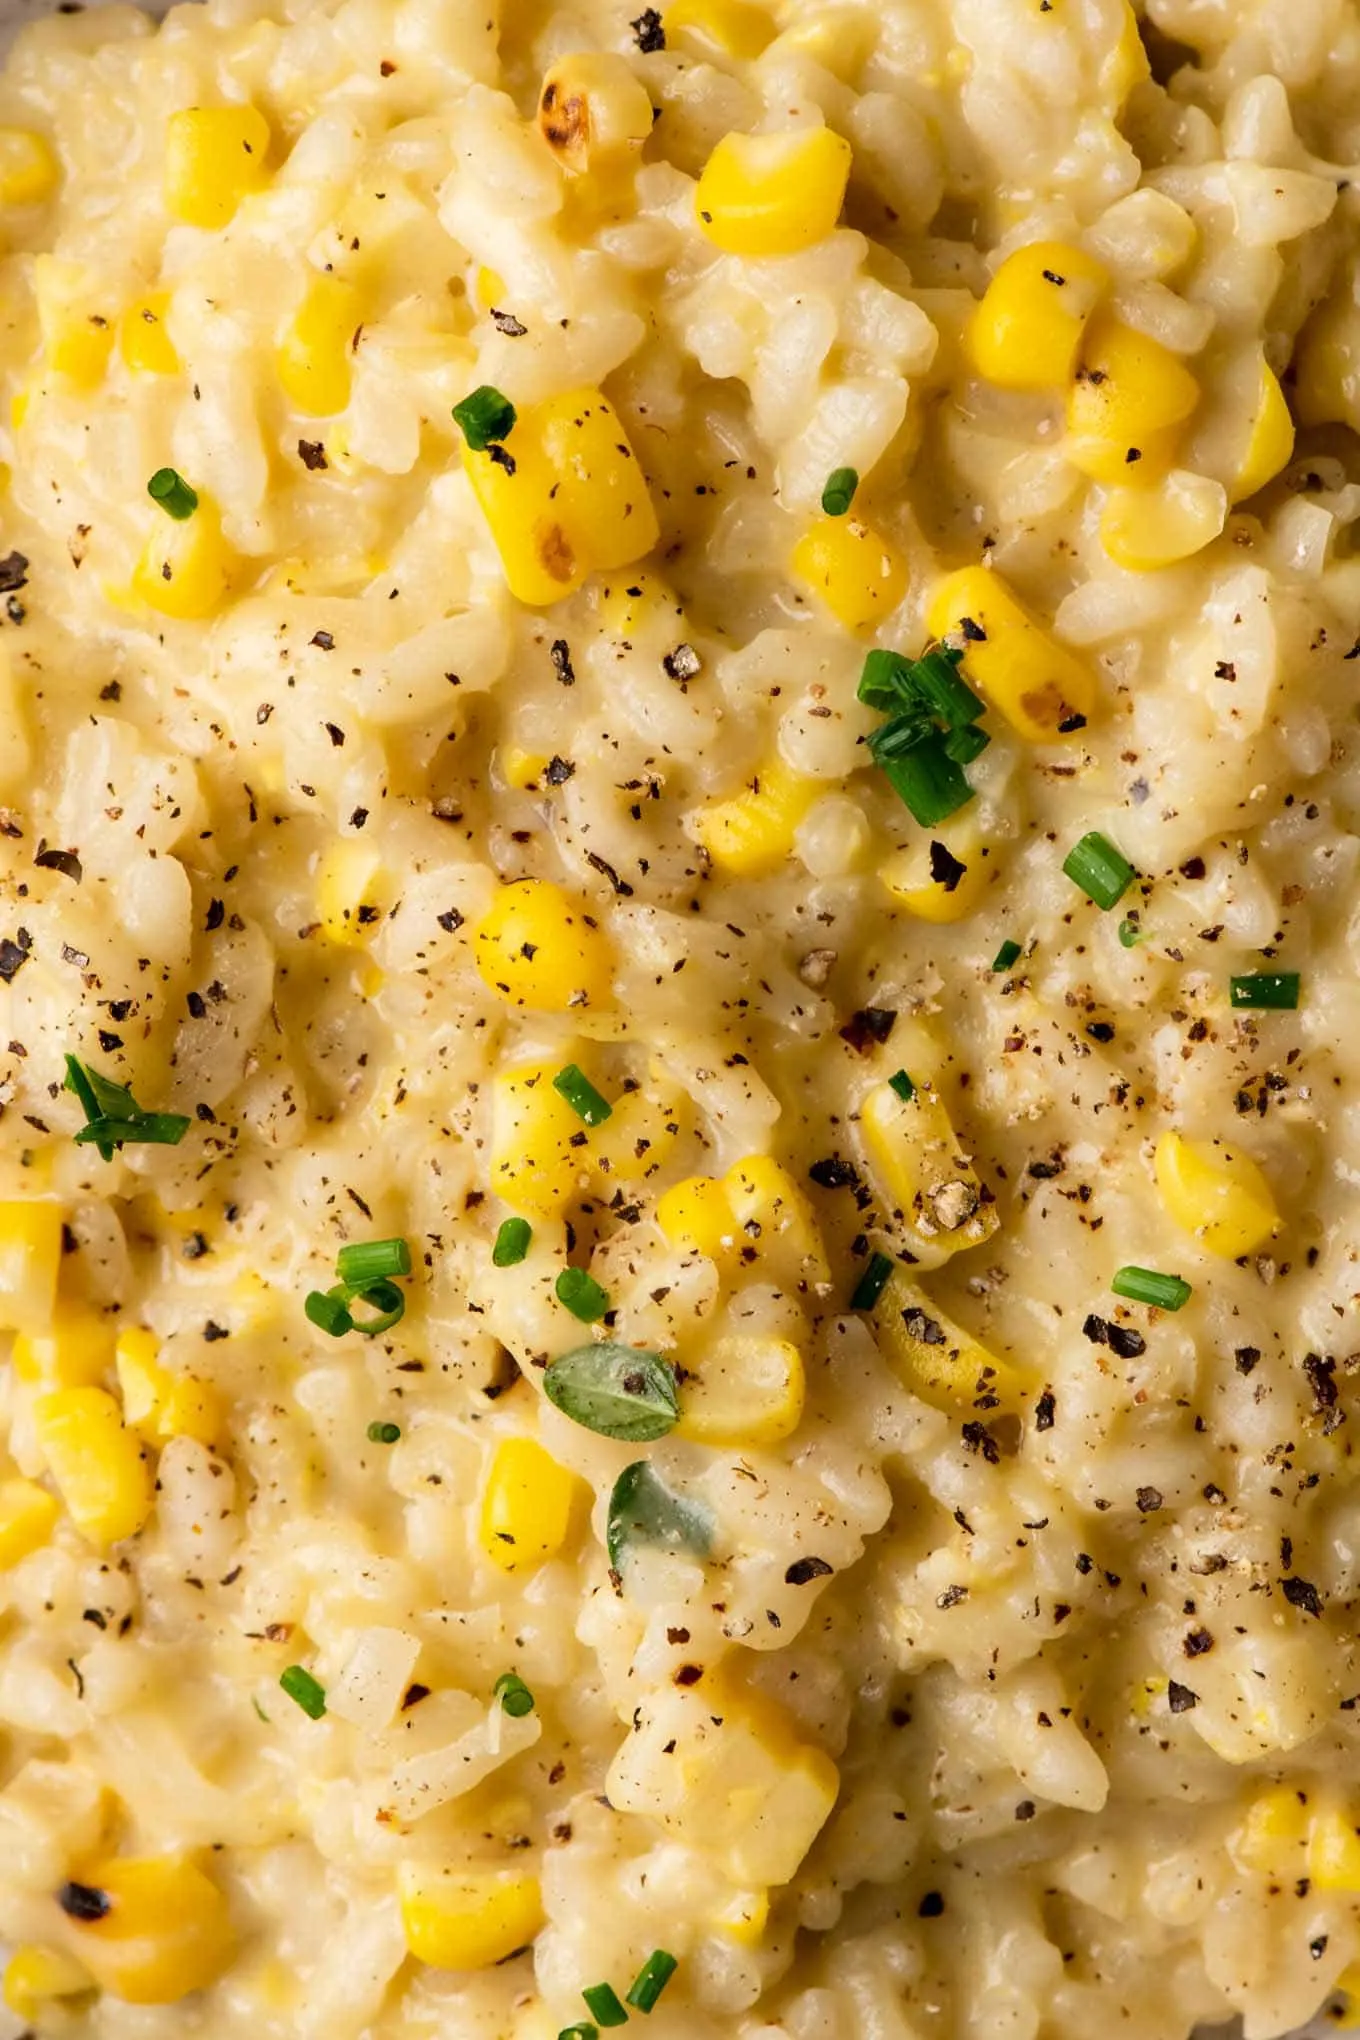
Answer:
(902, 732)
(839, 492)
(1145, 1285)
(602, 2002)
(514, 1695)
(112, 1115)
(384, 1434)
(1006, 955)
(582, 1295)
(328, 1310)
(371, 1260)
(583, 2030)
(485, 418)
(872, 1283)
(904, 1087)
(584, 1100)
(1103, 873)
(928, 782)
(172, 492)
(655, 1973)
(308, 1692)
(512, 1243)
(934, 679)
(884, 681)
(1270, 991)
(1130, 934)
(383, 1298)
(966, 743)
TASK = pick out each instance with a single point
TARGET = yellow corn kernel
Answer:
(537, 946)
(840, 39)
(143, 340)
(696, 1218)
(28, 167)
(1272, 1836)
(97, 1463)
(74, 1352)
(745, 1391)
(1127, 64)
(916, 1162)
(315, 351)
(521, 769)
(1270, 442)
(534, 1166)
(860, 575)
(1144, 529)
(1038, 685)
(1029, 323)
(1334, 1851)
(936, 1359)
(517, 499)
(594, 113)
(158, 1403)
(21, 400)
(34, 1975)
(74, 326)
(166, 1933)
(641, 1132)
(776, 1222)
(214, 157)
(743, 1917)
(731, 28)
(183, 571)
(467, 1919)
(933, 889)
(1216, 1193)
(755, 830)
(526, 1506)
(30, 1257)
(1128, 399)
(28, 1516)
(490, 288)
(773, 194)
(349, 891)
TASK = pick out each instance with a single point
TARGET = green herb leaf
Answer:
(514, 1695)
(618, 1391)
(173, 493)
(584, 1100)
(1270, 991)
(1146, 1285)
(1103, 873)
(872, 1283)
(308, 1692)
(655, 1973)
(643, 1510)
(512, 1243)
(485, 418)
(902, 1084)
(839, 492)
(1006, 955)
(372, 1260)
(582, 1295)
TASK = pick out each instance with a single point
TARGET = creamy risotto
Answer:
(679, 814)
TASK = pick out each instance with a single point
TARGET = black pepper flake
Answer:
(689, 1675)
(358, 818)
(928, 1330)
(312, 453)
(13, 572)
(622, 889)
(1302, 1594)
(414, 1694)
(1247, 1357)
(804, 1570)
(945, 868)
(1179, 1698)
(216, 914)
(978, 1438)
(212, 1332)
(507, 323)
(1320, 1374)
(951, 1597)
(13, 956)
(931, 1906)
(194, 1247)
(558, 771)
(112, 690)
(1120, 1339)
(64, 861)
(560, 653)
(450, 920)
(1149, 1500)
(1197, 1642)
(648, 33)
(1100, 1030)
(1045, 1410)
(1318, 1948)
(682, 664)
(869, 1028)
(972, 631)
(196, 1004)
(84, 1902)
(335, 733)
(834, 1174)
(502, 458)
(323, 641)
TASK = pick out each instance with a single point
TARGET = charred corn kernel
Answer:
(696, 1218)
(773, 194)
(28, 1516)
(73, 322)
(74, 1352)
(1272, 1836)
(526, 1506)
(754, 831)
(28, 167)
(1334, 1851)
(916, 1161)
(1216, 1193)
(184, 570)
(143, 340)
(940, 889)
(1144, 529)
(534, 1166)
(640, 1134)
(30, 1257)
(537, 946)
(490, 288)
(349, 890)
(937, 1359)
(1270, 441)
(745, 1391)
(594, 113)
(214, 157)
(158, 1403)
(1028, 325)
(860, 575)
(167, 1931)
(1127, 64)
(1041, 688)
(732, 27)
(776, 1219)
(97, 1463)
(522, 769)
(1127, 399)
(467, 1919)
(315, 351)
(743, 1917)
(34, 1975)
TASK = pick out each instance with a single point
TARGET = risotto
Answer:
(679, 820)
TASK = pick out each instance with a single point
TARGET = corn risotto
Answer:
(679, 815)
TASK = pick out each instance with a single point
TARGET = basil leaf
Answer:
(619, 1391)
(643, 1510)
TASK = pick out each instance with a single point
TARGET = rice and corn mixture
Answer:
(678, 819)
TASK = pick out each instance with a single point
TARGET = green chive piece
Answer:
(1269, 991)
(1145, 1285)
(514, 1695)
(934, 679)
(308, 1692)
(839, 492)
(1006, 955)
(655, 1973)
(371, 1260)
(584, 1100)
(512, 1243)
(930, 784)
(1130, 934)
(172, 492)
(383, 1298)
(327, 1309)
(872, 1283)
(582, 1295)
(1103, 873)
(904, 1087)
(112, 1115)
(966, 743)
(582, 2031)
(384, 1434)
(486, 418)
(602, 2002)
